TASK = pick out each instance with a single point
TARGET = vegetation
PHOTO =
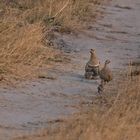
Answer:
(26, 28)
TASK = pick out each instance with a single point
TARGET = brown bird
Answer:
(92, 66)
(105, 75)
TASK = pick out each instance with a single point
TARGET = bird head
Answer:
(107, 61)
(92, 51)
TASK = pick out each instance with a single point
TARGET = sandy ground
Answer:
(40, 103)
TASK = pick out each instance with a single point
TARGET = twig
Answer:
(61, 9)
(50, 10)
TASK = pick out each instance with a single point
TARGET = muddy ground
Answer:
(37, 104)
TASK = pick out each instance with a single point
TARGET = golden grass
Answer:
(121, 120)
(21, 50)
(25, 24)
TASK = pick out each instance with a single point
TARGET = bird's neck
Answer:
(92, 56)
(105, 65)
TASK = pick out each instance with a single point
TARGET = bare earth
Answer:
(39, 103)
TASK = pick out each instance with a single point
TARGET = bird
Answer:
(105, 76)
(92, 66)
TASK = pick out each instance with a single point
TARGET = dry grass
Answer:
(24, 25)
(21, 51)
(121, 121)
(113, 116)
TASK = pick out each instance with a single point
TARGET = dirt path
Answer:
(39, 103)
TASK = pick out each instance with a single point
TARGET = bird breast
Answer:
(106, 74)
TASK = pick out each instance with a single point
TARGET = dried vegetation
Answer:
(26, 28)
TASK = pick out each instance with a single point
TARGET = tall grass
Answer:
(121, 121)
(25, 23)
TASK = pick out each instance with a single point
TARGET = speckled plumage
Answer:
(92, 66)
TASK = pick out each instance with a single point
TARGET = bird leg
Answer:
(101, 87)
